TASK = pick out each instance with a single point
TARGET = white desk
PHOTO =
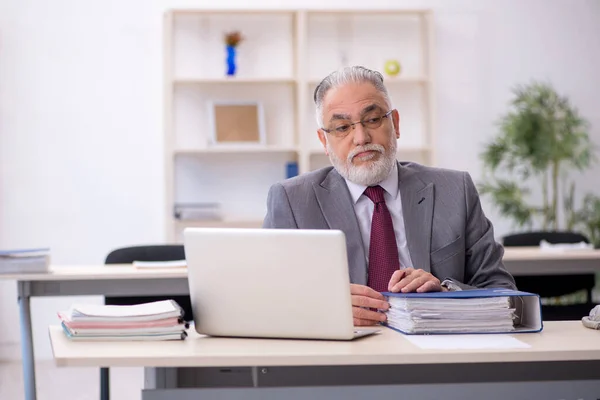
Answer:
(119, 280)
(533, 261)
(559, 341)
(562, 351)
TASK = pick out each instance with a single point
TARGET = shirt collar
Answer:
(389, 184)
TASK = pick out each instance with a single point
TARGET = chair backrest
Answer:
(127, 255)
(534, 238)
(549, 286)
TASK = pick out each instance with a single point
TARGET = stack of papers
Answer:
(160, 320)
(428, 313)
(24, 261)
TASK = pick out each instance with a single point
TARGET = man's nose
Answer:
(361, 136)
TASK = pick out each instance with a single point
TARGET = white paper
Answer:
(160, 264)
(466, 342)
(559, 247)
(164, 307)
(451, 315)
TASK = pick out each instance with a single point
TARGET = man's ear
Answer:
(396, 121)
(323, 139)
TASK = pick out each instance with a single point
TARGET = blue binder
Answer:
(528, 307)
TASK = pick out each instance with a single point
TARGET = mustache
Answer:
(368, 147)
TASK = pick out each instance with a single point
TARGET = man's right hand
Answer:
(363, 299)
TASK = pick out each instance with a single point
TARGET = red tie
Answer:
(383, 250)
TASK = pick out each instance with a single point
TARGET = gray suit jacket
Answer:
(446, 229)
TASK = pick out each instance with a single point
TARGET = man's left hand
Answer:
(414, 280)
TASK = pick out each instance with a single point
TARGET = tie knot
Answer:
(375, 193)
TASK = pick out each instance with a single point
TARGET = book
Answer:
(197, 211)
(464, 312)
(124, 337)
(79, 324)
(152, 311)
(24, 253)
(159, 320)
(126, 330)
(18, 261)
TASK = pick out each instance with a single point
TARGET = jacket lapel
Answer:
(417, 208)
(336, 205)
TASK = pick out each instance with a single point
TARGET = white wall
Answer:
(81, 103)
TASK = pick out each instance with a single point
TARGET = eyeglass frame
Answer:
(362, 122)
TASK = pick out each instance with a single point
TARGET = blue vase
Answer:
(231, 60)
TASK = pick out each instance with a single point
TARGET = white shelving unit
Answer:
(283, 57)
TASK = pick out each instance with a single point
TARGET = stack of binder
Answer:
(24, 261)
(464, 312)
(161, 320)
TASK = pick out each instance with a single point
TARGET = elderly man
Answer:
(408, 227)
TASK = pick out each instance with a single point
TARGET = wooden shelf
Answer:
(236, 150)
(404, 149)
(371, 12)
(191, 11)
(408, 12)
(389, 80)
(233, 80)
(413, 149)
(219, 224)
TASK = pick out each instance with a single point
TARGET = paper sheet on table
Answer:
(160, 264)
(138, 312)
(466, 342)
(559, 247)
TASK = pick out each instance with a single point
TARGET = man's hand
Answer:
(413, 280)
(364, 296)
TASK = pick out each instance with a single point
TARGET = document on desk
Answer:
(23, 261)
(152, 311)
(160, 320)
(464, 312)
(563, 247)
(160, 264)
(466, 342)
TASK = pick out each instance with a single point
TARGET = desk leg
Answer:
(160, 378)
(26, 342)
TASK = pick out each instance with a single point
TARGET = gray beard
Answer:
(370, 174)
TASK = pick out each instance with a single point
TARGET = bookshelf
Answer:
(284, 55)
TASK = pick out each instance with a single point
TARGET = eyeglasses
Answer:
(343, 128)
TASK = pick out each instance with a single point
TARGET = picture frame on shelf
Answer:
(237, 123)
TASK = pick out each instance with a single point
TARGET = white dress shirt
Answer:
(363, 208)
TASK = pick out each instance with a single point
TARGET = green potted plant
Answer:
(542, 139)
(589, 219)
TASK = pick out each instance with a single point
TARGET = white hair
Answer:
(344, 76)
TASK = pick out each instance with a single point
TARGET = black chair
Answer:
(555, 286)
(127, 255)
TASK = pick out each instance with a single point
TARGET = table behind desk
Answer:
(533, 261)
(519, 261)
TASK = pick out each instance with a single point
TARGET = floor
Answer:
(80, 383)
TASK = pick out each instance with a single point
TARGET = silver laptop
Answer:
(272, 283)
